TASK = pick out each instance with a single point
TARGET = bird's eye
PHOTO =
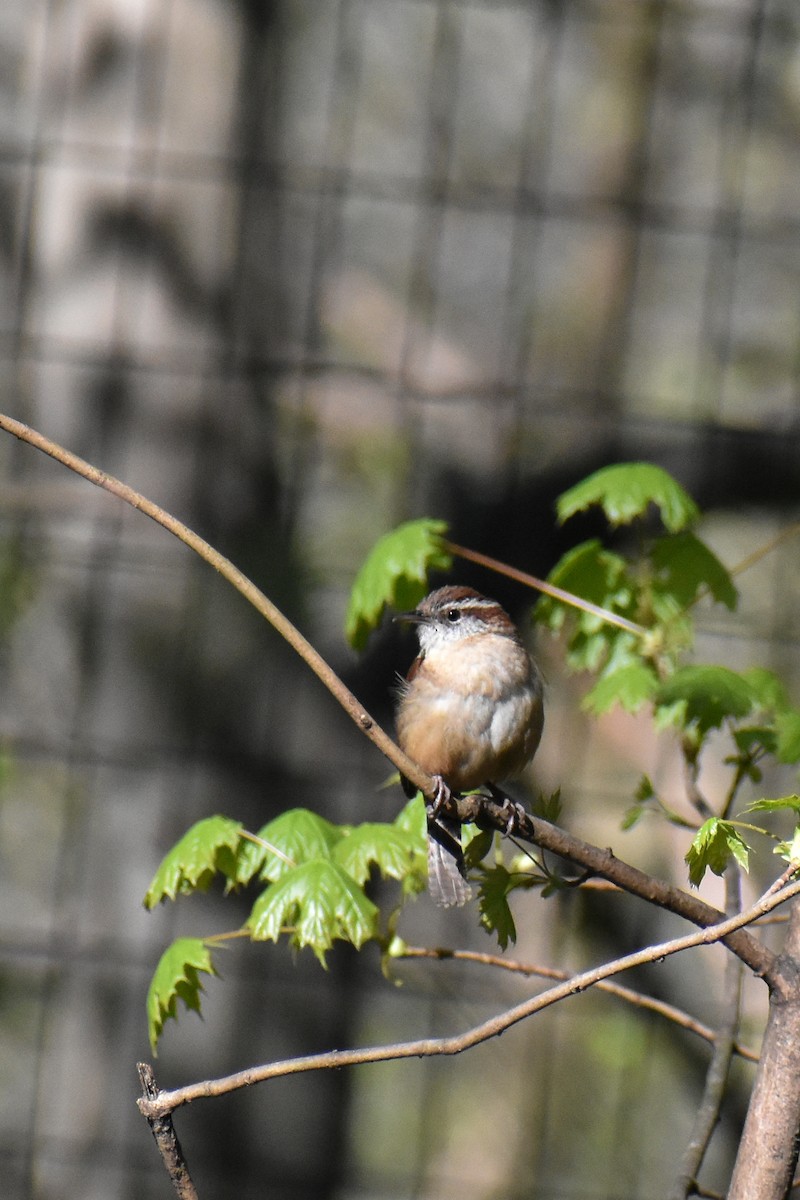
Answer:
(453, 615)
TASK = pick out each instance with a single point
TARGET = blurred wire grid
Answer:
(298, 270)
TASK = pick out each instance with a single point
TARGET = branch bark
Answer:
(166, 1138)
(768, 1149)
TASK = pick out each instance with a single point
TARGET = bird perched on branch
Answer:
(469, 713)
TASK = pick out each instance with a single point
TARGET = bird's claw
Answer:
(441, 795)
(514, 814)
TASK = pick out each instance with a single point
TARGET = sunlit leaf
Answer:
(686, 566)
(783, 804)
(208, 847)
(314, 904)
(391, 849)
(625, 491)
(712, 848)
(769, 689)
(630, 686)
(296, 836)
(787, 726)
(395, 574)
(177, 977)
(706, 696)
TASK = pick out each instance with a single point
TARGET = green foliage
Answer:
(630, 686)
(715, 842)
(685, 567)
(626, 491)
(177, 977)
(702, 698)
(208, 847)
(395, 574)
(314, 904)
(496, 884)
(316, 874)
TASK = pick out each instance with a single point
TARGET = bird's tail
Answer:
(447, 882)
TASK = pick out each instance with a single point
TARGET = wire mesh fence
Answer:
(298, 270)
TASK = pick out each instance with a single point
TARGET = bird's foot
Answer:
(441, 795)
(513, 811)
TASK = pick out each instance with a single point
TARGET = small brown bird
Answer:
(470, 713)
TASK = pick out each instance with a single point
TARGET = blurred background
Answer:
(299, 270)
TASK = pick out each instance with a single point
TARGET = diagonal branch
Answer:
(479, 809)
(167, 1102)
(637, 999)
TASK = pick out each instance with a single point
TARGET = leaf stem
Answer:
(549, 589)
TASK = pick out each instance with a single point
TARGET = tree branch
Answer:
(484, 812)
(166, 1138)
(167, 1102)
(768, 1148)
(489, 813)
(707, 1115)
(636, 999)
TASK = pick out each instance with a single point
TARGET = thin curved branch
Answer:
(484, 812)
(167, 1102)
(548, 589)
(637, 999)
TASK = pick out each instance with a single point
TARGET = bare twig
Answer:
(471, 808)
(549, 589)
(429, 1047)
(707, 1115)
(637, 999)
(166, 1138)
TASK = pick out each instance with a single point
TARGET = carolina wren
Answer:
(469, 713)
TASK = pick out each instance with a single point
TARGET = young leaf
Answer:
(686, 566)
(791, 803)
(706, 696)
(548, 807)
(314, 903)
(493, 898)
(787, 725)
(395, 574)
(630, 686)
(790, 850)
(625, 491)
(715, 842)
(208, 847)
(769, 688)
(478, 847)
(176, 978)
(299, 835)
(392, 850)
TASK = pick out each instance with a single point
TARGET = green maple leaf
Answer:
(625, 491)
(712, 848)
(177, 978)
(314, 904)
(705, 697)
(395, 575)
(209, 847)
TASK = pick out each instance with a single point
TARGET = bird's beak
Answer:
(411, 618)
